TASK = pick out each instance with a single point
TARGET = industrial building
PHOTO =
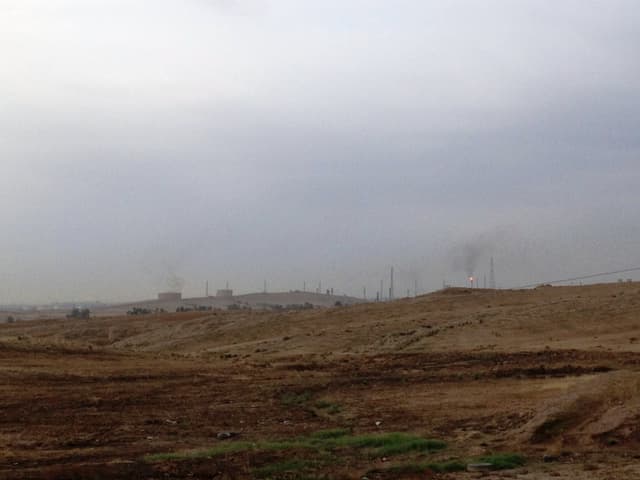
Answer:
(170, 296)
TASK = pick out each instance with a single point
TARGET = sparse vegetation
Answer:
(386, 444)
(194, 308)
(390, 444)
(79, 313)
(295, 399)
(503, 461)
(139, 311)
(221, 449)
(329, 407)
(299, 306)
(331, 400)
(447, 467)
(329, 434)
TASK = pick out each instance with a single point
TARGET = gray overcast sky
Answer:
(314, 140)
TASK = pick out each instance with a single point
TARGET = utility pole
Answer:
(391, 287)
(206, 289)
(364, 293)
(382, 290)
(492, 275)
(415, 288)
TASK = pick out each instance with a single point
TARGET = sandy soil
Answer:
(552, 371)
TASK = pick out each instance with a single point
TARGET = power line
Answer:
(584, 277)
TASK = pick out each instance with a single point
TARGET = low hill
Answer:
(600, 317)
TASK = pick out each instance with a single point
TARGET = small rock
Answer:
(378, 423)
(479, 467)
(226, 435)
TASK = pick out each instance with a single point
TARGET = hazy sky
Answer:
(293, 140)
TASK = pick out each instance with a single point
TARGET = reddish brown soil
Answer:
(89, 399)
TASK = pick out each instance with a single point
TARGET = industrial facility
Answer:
(170, 296)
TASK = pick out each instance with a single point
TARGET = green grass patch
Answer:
(447, 467)
(292, 399)
(230, 447)
(391, 443)
(329, 434)
(329, 407)
(279, 446)
(384, 445)
(503, 461)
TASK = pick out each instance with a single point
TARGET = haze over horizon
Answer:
(241, 140)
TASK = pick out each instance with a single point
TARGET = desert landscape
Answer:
(319, 240)
(529, 384)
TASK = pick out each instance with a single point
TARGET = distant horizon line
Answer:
(67, 303)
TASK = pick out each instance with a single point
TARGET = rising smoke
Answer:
(174, 282)
(469, 255)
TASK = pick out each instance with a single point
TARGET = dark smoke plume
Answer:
(466, 257)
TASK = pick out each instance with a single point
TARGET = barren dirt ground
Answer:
(551, 374)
